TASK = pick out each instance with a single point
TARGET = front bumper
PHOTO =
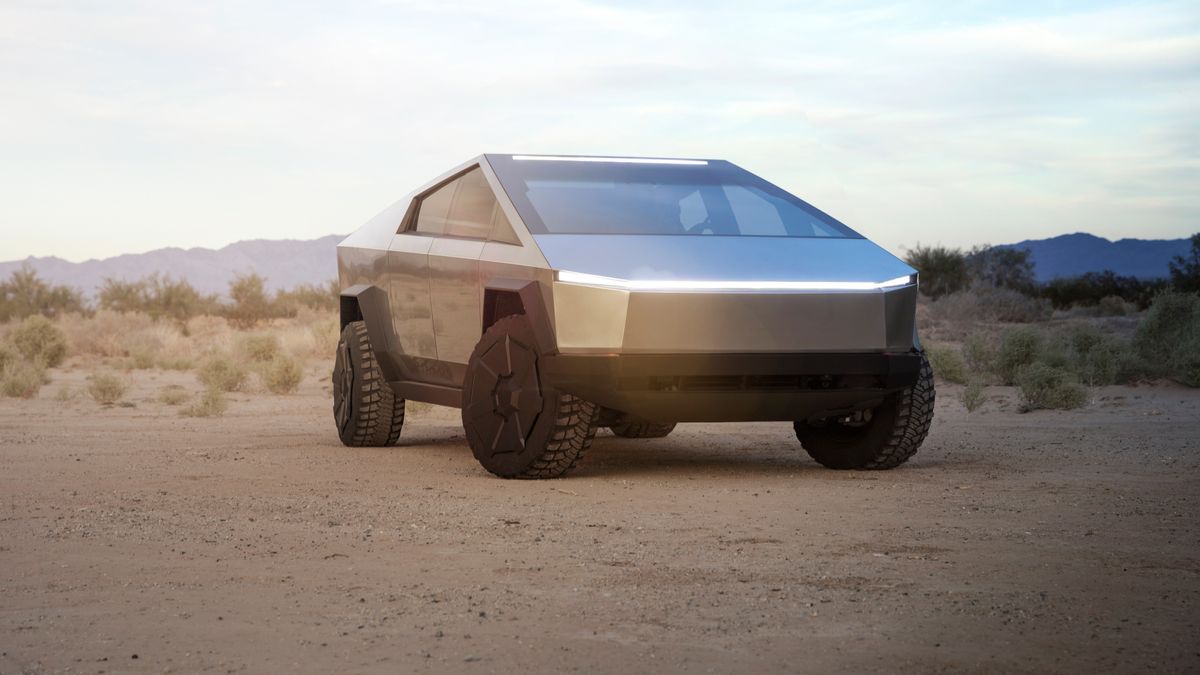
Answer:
(732, 387)
(594, 319)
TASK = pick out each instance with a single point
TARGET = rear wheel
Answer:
(882, 438)
(365, 409)
(632, 427)
(517, 425)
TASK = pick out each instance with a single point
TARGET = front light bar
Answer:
(685, 285)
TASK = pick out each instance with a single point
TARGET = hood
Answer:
(642, 257)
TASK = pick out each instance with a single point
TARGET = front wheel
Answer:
(365, 409)
(518, 426)
(882, 438)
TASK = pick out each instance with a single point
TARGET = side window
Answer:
(471, 210)
(502, 229)
(464, 207)
(433, 210)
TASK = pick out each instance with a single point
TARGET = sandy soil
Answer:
(132, 539)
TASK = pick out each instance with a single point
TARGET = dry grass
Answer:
(107, 388)
(173, 394)
(282, 375)
(211, 404)
(22, 379)
(222, 372)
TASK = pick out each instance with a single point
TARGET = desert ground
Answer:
(133, 539)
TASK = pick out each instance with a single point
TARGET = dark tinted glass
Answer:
(715, 198)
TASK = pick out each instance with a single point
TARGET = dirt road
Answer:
(132, 539)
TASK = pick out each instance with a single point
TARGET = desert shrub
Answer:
(1168, 338)
(106, 388)
(37, 338)
(973, 395)
(942, 270)
(160, 297)
(142, 358)
(212, 403)
(176, 362)
(173, 394)
(282, 375)
(313, 296)
(222, 372)
(1046, 386)
(1114, 305)
(984, 303)
(979, 353)
(66, 393)
(250, 304)
(1001, 267)
(1090, 288)
(1019, 347)
(22, 379)
(7, 355)
(1095, 356)
(259, 348)
(947, 363)
(25, 294)
(1185, 272)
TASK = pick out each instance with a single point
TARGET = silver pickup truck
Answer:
(548, 296)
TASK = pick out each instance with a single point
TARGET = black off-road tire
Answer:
(518, 426)
(893, 434)
(632, 427)
(366, 411)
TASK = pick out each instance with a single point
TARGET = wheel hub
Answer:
(506, 397)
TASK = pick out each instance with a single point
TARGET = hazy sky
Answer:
(127, 126)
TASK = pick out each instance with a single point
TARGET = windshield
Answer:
(587, 196)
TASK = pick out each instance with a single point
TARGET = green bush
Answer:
(25, 294)
(312, 296)
(1114, 305)
(211, 404)
(38, 339)
(250, 304)
(221, 372)
(1093, 355)
(1185, 272)
(106, 388)
(1002, 267)
(258, 348)
(979, 353)
(1046, 386)
(22, 379)
(942, 270)
(947, 364)
(160, 297)
(1091, 288)
(1019, 347)
(282, 375)
(1168, 338)
(984, 303)
(973, 395)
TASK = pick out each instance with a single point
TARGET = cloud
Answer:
(228, 120)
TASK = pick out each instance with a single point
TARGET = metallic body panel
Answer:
(454, 294)
(407, 281)
(590, 319)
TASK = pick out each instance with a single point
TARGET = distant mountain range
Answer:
(285, 263)
(288, 263)
(1070, 255)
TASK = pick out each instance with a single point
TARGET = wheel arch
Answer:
(506, 297)
(369, 303)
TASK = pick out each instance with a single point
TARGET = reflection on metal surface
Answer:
(623, 160)
(700, 285)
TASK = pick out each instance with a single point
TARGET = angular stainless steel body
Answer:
(630, 317)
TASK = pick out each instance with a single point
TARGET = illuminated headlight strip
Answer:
(681, 285)
(623, 160)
